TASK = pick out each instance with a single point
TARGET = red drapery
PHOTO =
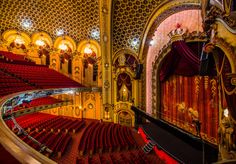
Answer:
(182, 95)
(181, 60)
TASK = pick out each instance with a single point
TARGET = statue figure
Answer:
(225, 131)
(122, 60)
(124, 93)
(195, 120)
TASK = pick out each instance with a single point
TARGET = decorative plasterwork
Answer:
(228, 50)
(78, 19)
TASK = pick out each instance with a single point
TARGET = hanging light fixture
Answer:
(63, 47)
(19, 40)
(40, 42)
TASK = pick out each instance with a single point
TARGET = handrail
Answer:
(15, 146)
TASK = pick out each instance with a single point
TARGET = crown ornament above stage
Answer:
(178, 33)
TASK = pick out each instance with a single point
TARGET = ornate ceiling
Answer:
(129, 20)
(78, 18)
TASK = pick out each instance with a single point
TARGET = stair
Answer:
(148, 147)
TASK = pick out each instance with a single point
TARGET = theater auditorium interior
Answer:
(118, 81)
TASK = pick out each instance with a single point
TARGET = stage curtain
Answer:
(181, 95)
(184, 92)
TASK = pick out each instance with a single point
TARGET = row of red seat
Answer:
(31, 119)
(11, 56)
(100, 137)
(55, 141)
(37, 102)
(127, 157)
(41, 121)
(41, 76)
(10, 84)
(41, 126)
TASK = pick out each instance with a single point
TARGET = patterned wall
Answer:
(129, 21)
(78, 18)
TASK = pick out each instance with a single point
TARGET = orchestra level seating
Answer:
(70, 140)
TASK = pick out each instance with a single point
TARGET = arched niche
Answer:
(61, 60)
(125, 62)
(42, 44)
(123, 108)
(124, 118)
(16, 41)
(86, 64)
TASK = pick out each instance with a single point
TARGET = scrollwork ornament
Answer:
(106, 84)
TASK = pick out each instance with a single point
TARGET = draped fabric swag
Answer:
(229, 90)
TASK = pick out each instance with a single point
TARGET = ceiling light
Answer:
(95, 34)
(59, 32)
(134, 42)
(26, 23)
(152, 42)
(70, 92)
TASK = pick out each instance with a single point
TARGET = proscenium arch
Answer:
(163, 17)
